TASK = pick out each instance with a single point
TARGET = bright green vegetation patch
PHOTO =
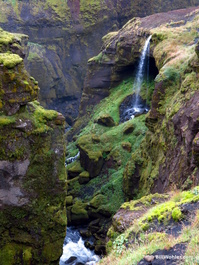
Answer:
(145, 201)
(41, 117)
(5, 37)
(112, 144)
(164, 211)
(11, 254)
(111, 141)
(141, 243)
(109, 105)
(10, 60)
(6, 120)
(113, 191)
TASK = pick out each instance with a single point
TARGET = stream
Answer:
(74, 250)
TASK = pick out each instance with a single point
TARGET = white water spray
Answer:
(74, 251)
(71, 159)
(140, 73)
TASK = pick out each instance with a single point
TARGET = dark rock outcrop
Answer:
(32, 171)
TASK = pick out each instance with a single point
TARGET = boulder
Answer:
(84, 177)
(91, 158)
(74, 169)
(105, 120)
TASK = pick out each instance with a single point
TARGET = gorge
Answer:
(63, 35)
(131, 184)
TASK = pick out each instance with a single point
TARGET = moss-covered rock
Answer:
(156, 217)
(84, 177)
(105, 120)
(69, 200)
(90, 155)
(74, 169)
(78, 213)
(33, 177)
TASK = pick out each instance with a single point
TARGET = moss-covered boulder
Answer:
(74, 170)
(32, 171)
(84, 177)
(77, 213)
(90, 155)
(105, 120)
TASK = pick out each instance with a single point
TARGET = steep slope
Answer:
(32, 172)
(65, 34)
(155, 152)
(156, 229)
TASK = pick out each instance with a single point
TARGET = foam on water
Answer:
(74, 248)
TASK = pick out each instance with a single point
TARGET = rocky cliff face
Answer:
(155, 152)
(173, 157)
(65, 34)
(32, 171)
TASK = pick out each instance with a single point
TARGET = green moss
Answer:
(113, 192)
(69, 200)
(75, 167)
(176, 214)
(10, 60)
(6, 120)
(42, 115)
(93, 151)
(74, 187)
(145, 201)
(41, 118)
(15, 254)
(5, 37)
(79, 208)
(98, 200)
(84, 174)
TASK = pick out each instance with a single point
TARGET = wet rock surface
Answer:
(127, 111)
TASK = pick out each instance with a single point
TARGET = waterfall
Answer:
(74, 251)
(140, 73)
(147, 70)
(71, 159)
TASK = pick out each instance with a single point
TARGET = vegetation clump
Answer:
(136, 241)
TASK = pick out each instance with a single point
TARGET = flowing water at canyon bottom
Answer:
(75, 252)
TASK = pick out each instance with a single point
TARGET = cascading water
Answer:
(74, 251)
(140, 73)
(143, 71)
(71, 159)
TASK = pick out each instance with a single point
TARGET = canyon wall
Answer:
(32, 170)
(154, 152)
(65, 34)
